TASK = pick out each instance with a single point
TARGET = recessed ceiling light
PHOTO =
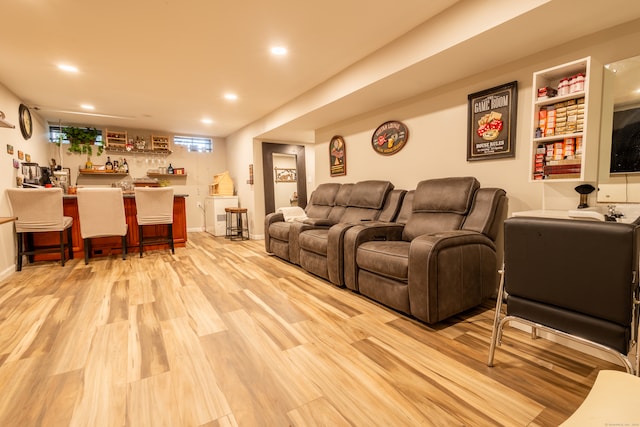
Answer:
(69, 68)
(207, 121)
(230, 96)
(279, 50)
(88, 107)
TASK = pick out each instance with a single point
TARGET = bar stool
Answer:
(101, 214)
(39, 210)
(154, 206)
(237, 224)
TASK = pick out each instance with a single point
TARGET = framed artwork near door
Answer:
(337, 156)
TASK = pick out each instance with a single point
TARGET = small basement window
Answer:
(194, 143)
(57, 134)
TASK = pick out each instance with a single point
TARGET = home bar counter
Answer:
(103, 246)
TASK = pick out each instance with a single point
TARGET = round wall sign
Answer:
(390, 137)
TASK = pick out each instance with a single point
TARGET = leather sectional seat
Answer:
(281, 234)
(429, 253)
(321, 247)
(441, 262)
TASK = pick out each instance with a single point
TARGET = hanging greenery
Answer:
(82, 140)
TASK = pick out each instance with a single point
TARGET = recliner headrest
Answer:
(370, 194)
(452, 195)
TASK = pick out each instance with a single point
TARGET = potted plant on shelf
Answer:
(82, 140)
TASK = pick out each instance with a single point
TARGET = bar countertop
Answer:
(126, 195)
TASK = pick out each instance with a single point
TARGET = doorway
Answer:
(283, 153)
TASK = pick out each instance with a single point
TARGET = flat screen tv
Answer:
(625, 142)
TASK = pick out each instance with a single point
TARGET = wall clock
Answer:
(26, 125)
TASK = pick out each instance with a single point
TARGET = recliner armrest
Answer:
(273, 217)
(357, 235)
(319, 222)
(268, 220)
(448, 271)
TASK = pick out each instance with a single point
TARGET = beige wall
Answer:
(36, 146)
(437, 124)
(200, 169)
(437, 121)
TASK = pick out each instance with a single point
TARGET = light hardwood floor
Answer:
(222, 334)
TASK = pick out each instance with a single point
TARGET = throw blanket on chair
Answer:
(294, 213)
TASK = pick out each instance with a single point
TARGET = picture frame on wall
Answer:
(286, 175)
(491, 125)
(337, 156)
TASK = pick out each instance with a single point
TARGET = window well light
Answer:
(207, 121)
(279, 50)
(87, 107)
(68, 68)
(230, 96)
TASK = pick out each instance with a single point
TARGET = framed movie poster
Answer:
(338, 156)
(492, 123)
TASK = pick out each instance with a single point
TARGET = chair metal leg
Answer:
(62, 248)
(124, 247)
(70, 242)
(19, 251)
(170, 227)
(497, 331)
(28, 247)
(87, 250)
(140, 239)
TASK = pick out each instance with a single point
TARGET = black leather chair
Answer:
(573, 278)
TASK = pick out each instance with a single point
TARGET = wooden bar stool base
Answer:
(237, 224)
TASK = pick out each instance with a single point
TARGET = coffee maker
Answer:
(35, 175)
(32, 174)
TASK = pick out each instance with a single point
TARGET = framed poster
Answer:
(389, 138)
(337, 156)
(492, 123)
(286, 175)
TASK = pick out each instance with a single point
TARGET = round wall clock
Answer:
(26, 125)
(389, 138)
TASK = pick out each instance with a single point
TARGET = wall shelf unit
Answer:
(166, 175)
(160, 143)
(100, 173)
(4, 123)
(123, 150)
(115, 139)
(565, 128)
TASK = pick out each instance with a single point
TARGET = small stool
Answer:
(237, 224)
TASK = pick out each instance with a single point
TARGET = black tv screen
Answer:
(625, 142)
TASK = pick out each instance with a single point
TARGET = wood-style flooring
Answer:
(223, 334)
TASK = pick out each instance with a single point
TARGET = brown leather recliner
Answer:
(321, 248)
(281, 237)
(441, 262)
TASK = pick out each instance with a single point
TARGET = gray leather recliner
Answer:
(442, 261)
(321, 247)
(280, 235)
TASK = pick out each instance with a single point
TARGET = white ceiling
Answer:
(166, 64)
